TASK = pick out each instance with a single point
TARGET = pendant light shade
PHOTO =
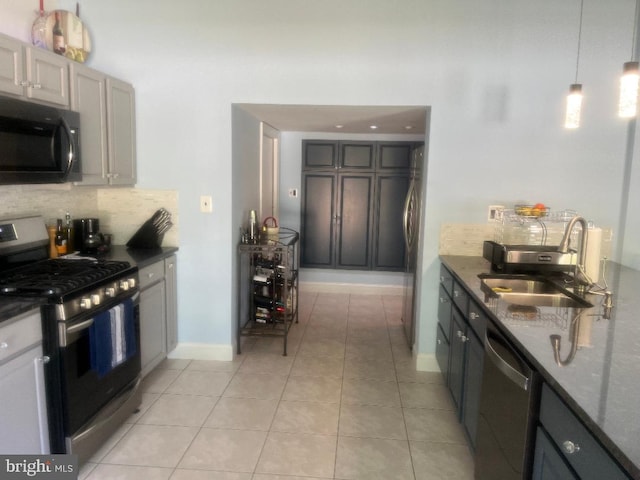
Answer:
(574, 99)
(628, 103)
(574, 105)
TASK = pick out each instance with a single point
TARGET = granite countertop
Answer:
(138, 256)
(602, 382)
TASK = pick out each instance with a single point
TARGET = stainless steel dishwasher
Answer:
(508, 411)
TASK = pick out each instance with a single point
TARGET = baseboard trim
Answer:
(351, 288)
(202, 351)
(426, 362)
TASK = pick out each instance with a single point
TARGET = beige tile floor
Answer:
(346, 403)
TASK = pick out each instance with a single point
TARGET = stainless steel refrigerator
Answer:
(412, 219)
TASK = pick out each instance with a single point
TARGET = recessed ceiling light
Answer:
(373, 127)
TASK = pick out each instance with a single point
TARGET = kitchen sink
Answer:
(531, 291)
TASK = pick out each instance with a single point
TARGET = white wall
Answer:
(495, 73)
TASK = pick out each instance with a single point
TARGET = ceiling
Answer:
(353, 119)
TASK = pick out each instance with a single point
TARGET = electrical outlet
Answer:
(293, 192)
(495, 213)
(205, 204)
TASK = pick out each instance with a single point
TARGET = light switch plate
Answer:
(293, 192)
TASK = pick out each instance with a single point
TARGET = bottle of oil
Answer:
(69, 232)
(61, 239)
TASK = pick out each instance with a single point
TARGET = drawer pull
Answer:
(4, 345)
(570, 447)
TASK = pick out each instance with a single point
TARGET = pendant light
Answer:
(628, 102)
(574, 99)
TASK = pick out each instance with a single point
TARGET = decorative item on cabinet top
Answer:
(62, 32)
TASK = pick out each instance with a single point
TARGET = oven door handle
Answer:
(79, 326)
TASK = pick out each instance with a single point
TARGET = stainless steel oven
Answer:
(91, 335)
(85, 405)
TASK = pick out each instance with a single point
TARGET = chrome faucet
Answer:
(579, 276)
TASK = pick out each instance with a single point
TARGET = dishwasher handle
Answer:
(522, 381)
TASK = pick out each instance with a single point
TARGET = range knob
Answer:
(132, 282)
(95, 299)
(110, 292)
(85, 303)
(124, 285)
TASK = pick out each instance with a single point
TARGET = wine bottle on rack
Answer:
(58, 35)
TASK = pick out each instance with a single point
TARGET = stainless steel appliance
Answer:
(411, 223)
(509, 398)
(91, 330)
(527, 258)
(38, 143)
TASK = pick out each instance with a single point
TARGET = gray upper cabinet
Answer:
(319, 154)
(357, 155)
(121, 132)
(107, 142)
(394, 156)
(88, 97)
(33, 73)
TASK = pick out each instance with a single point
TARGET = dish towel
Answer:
(112, 338)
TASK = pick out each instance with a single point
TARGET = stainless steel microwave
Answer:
(38, 143)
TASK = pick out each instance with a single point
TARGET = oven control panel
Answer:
(95, 298)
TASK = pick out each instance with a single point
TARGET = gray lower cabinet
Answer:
(563, 440)
(171, 281)
(158, 312)
(23, 417)
(462, 368)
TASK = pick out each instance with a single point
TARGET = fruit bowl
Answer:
(538, 210)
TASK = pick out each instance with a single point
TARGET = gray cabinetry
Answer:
(171, 280)
(567, 440)
(33, 73)
(389, 249)
(89, 98)
(462, 369)
(353, 195)
(158, 312)
(121, 132)
(107, 109)
(23, 417)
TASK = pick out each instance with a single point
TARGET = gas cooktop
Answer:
(59, 276)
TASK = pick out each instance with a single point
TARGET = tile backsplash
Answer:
(121, 210)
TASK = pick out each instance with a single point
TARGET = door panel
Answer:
(354, 214)
(317, 229)
(389, 245)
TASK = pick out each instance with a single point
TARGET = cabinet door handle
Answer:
(473, 315)
(456, 293)
(24, 83)
(443, 300)
(464, 338)
(4, 345)
(37, 86)
(570, 447)
(459, 333)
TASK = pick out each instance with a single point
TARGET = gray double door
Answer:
(353, 199)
